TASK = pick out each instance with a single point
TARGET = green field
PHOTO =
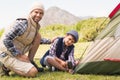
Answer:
(47, 75)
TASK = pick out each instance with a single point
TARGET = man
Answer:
(19, 38)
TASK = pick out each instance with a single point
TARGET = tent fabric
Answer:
(111, 27)
(101, 49)
(112, 59)
(114, 11)
(101, 55)
(99, 67)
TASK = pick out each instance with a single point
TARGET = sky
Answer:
(12, 9)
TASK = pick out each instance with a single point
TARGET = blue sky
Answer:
(11, 9)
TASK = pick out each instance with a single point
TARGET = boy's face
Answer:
(69, 40)
(37, 15)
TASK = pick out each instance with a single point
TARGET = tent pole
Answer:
(88, 45)
(103, 22)
(79, 59)
(83, 53)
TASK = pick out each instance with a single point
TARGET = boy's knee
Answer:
(33, 72)
(49, 58)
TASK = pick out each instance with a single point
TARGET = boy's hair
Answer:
(74, 34)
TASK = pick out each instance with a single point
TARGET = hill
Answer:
(55, 15)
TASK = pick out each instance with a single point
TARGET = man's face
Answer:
(37, 15)
(69, 40)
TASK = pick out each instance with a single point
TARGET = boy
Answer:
(61, 53)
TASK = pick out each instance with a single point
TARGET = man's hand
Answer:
(23, 58)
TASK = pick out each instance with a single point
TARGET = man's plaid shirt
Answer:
(18, 29)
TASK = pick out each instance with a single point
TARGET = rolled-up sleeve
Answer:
(53, 48)
(71, 57)
(17, 29)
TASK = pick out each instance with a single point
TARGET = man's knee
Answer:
(33, 72)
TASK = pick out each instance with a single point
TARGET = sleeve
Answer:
(45, 41)
(53, 46)
(17, 29)
(71, 57)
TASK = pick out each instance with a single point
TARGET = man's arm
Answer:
(47, 41)
(34, 47)
(18, 28)
(33, 51)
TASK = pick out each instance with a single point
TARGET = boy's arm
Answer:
(52, 51)
(61, 61)
(71, 57)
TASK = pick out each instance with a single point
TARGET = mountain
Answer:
(55, 15)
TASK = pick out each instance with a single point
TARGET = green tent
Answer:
(103, 55)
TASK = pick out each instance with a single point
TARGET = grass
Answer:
(47, 75)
